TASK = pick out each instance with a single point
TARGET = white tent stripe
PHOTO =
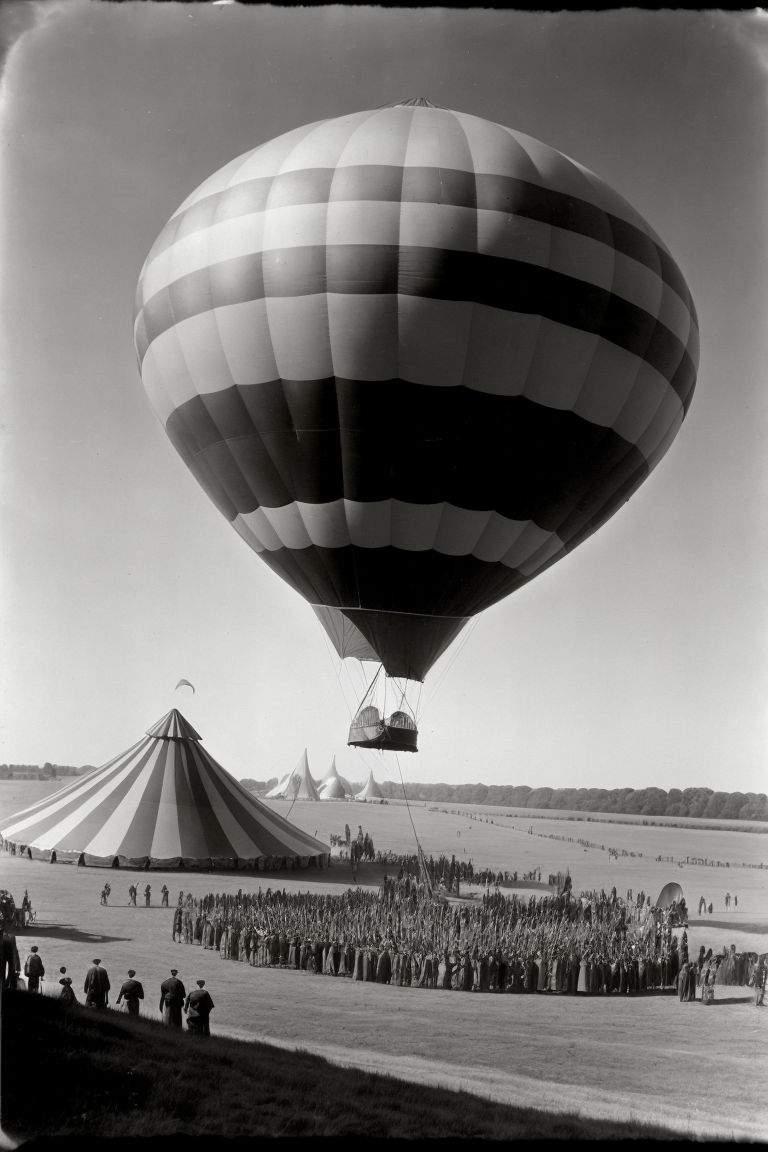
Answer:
(65, 795)
(50, 838)
(113, 832)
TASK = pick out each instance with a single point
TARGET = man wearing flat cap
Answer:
(198, 1009)
(131, 991)
(34, 970)
(172, 993)
(96, 986)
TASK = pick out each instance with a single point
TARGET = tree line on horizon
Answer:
(48, 771)
(703, 803)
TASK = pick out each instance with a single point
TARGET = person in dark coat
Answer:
(34, 970)
(384, 966)
(198, 1009)
(67, 996)
(11, 962)
(96, 986)
(172, 993)
(131, 991)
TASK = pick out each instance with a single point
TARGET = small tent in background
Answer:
(299, 785)
(279, 788)
(332, 774)
(371, 790)
(165, 803)
(670, 893)
(333, 790)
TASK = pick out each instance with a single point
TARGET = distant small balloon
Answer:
(181, 684)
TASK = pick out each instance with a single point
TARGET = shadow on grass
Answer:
(67, 932)
(120, 1077)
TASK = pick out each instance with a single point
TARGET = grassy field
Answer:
(609, 1058)
(120, 1077)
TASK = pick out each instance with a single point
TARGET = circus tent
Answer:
(331, 775)
(165, 803)
(279, 788)
(298, 786)
(371, 790)
(333, 790)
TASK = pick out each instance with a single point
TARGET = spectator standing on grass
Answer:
(131, 991)
(198, 1010)
(132, 894)
(760, 977)
(164, 894)
(34, 970)
(177, 924)
(172, 993)
(147, 896)
(702, 905)
(11, 963)
(727, 901)
(96, 986)
(67, 996)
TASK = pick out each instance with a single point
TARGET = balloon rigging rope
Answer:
(405, 795)
(450, 665)
(338, 676)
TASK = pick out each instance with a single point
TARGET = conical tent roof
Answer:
(298, 785)
(333, 789)
(164, 801)
(301, 786)
(332, 774)
(371, 790)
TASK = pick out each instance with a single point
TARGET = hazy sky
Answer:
(638, 660)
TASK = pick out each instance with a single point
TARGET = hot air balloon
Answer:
(415, 358)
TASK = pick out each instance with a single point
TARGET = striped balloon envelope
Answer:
(165, 803)
(415, 358)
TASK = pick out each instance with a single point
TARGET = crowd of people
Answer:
(402, 935)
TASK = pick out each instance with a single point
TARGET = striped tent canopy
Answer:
(415, 358)
(163, 803)
(371, 790)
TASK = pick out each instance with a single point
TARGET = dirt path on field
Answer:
(686, 1116)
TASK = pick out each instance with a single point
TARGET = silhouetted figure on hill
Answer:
(96, 986)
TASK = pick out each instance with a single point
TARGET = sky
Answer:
(639, 660)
